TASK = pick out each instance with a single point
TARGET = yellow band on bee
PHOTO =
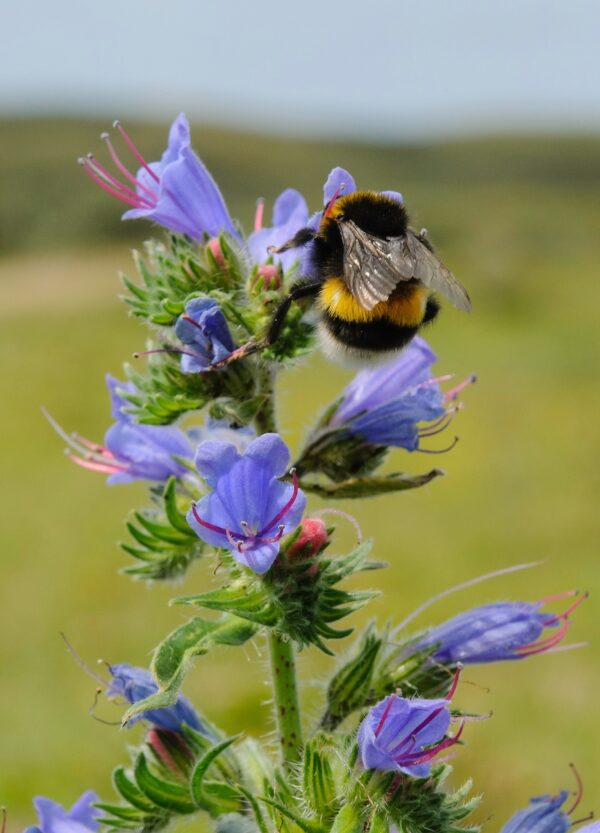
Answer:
(406, 310)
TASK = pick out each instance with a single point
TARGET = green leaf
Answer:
(173, 656)
(165, 794)
(130, 791)
(317, 777)
(356, 487)
(348, 820)
(196, 781)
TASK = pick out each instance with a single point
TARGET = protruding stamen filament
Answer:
(564, 595)
(106, 187)
(568, 611)
(282, 512)
(385, 714)
(126, 173)
(259, 214)
(331, 202)
(457, 674)
(340, 513)
(133, 148)
(544, 644)
(579, 791)
(453, 393)
(439, 450)
(213, 527)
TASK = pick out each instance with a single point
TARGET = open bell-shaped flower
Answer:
(404, 735)
(53, 818)
(203, 329)
(249, 509)
(176, 192)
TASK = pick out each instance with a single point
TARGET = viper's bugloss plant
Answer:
(195, 418)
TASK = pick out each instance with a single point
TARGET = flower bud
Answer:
(215, 248)
(267, 278)
(312, 539)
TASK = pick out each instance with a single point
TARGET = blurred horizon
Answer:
(400, 71)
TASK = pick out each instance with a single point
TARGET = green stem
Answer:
(265, 418)
(285, 698)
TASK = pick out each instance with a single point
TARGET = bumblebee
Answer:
(374, 278)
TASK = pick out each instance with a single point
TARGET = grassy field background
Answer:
(518, 220)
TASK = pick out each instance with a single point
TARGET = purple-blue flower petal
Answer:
(207, 335)
(543, 815)
(488, 633)
(396, 731)
(248, 503)
(394, 195)
(80, 818)
(337, 178)
(147, 450)
(290, 214)
(135, 684)
(117, 402)
(188, 200)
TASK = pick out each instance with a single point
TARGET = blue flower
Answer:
(492, 632)
(400, 735)
(384, 405)
(204, 329)
(290, 214)
(223, 431)
(249, 509)
(543, 815)
(81, 818)
(177, 192)
(136, 684)
(131, 451)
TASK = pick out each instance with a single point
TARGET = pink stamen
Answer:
(213, 527)
(103, 172)
(568, 611)
(385, 714)
(132, 147)
(423, 758)
(97, 449)
(338, 191)
(545, 644)
(453, 393)
(259, 214)
(271, 539)
(565, 594)
(94, 465)
(457, 674)
(190, 320)
(285, 509)
(579, 793)
(105, 187)
(126, 173)
(417, 729)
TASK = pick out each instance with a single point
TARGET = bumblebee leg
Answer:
(301, 238)
(298, 290)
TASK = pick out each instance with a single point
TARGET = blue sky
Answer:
(374, 68)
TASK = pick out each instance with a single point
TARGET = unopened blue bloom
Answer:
(290, 214)
(384, 405)
(131, 451)
(177, 192)
(492, 632)
(204, 330)
(135, 684)
(53, 818)
(543, 815)
(401, 735)
(249, 509)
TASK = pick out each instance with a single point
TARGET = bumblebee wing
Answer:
(372, 269)
(432, 272)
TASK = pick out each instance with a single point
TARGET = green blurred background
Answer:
(517, 219)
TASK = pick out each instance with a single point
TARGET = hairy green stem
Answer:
(265, 417)
(285, 698)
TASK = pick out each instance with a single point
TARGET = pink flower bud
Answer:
(311, 540)
(268, 277)
(215, 247)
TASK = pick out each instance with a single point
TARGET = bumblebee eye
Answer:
(341, 217)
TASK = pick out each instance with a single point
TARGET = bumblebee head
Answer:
(378, 214)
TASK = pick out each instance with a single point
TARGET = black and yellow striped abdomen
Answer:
(388, 326)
